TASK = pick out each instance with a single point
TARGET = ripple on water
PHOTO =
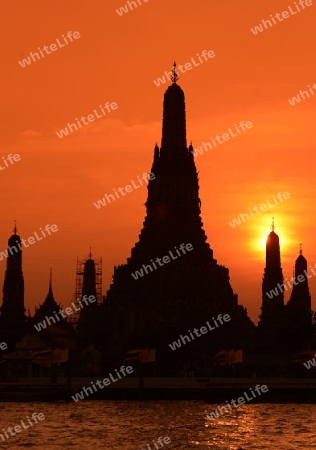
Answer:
(131, 425)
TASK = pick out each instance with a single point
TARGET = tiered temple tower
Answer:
(89, 329)
(49, 307)
(190, 289)
(299, 314)
(12, 309)
(271, 325)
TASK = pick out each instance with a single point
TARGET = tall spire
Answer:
(273, 258)
(272, 316)
(50, 295)
(193, 286)
(12, 309)
(50, 290)
(89, 278)
(299, 313)
(14, 229)
(173, 205)
(49, 306)
(173, 142)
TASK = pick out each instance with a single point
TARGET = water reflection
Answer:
(132, 425)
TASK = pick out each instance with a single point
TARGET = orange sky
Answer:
(116, 59)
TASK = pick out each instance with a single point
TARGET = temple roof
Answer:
(49, 306)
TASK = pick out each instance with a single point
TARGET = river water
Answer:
(131, 425)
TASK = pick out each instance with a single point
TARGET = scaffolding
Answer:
(73, 318)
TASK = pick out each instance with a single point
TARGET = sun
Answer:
(263, 230)
(283, 241)
(264, 241)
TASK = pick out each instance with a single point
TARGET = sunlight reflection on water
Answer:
(132, 425)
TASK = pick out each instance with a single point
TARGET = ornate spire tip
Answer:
(174, 75)
(272, 225)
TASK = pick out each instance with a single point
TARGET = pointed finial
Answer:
(50, 290)
(272, 225)
(301, 251)
(14, 229)
(174, 76)
(90, 254)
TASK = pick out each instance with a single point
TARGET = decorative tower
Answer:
(169, 297)
(173, 204)
(89, 314)
(271, 325)
(50, 306)
(12, 309)
(299, 313)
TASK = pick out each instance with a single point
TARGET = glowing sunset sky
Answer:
(116, 59)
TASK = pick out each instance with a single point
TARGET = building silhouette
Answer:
(12, 320)
(191, 288)
(49, 307)
(271, 324)
(298, 309)
(56, 330)
(171, 284)
(89, 284)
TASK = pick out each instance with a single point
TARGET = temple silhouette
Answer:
(12, 319)
(162, 303)
(284, 329)
(50, 306)
(299, 323)
(272, 318)
(174, 292)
